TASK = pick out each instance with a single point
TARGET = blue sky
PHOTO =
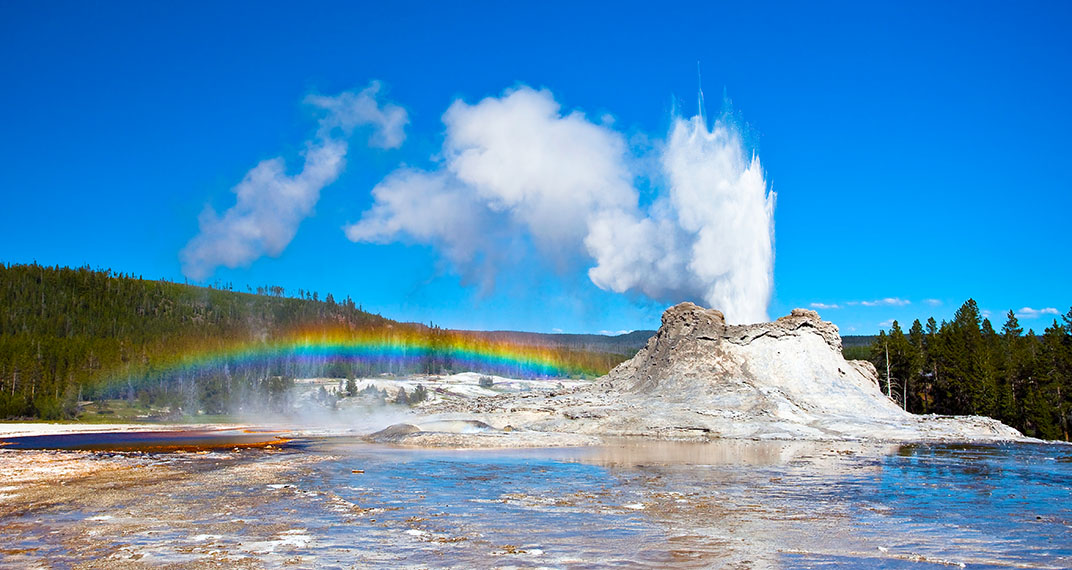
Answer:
(919, 151)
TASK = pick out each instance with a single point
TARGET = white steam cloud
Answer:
(270, 204)
(709, 236)
(515, 168)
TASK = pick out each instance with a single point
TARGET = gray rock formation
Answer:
(791, 368)
(700, 378)
(694, 348)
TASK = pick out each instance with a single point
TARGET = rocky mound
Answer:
(699, 378)
(790, 368)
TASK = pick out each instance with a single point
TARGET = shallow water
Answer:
(149, 441)
(341, 503)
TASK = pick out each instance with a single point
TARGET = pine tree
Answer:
(916, 339)
(931, 356)
(420, 394)
(965, 357)
(1028, 392)
(989, 363)
(1055, 369)
(902, 359)
(1010, 373)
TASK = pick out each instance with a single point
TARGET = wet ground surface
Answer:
(342, 503)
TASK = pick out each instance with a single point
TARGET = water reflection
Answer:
(342, 503)
(634, 452)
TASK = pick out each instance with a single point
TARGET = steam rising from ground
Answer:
(516, 172)
(271, 204)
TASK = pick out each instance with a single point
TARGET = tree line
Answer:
(68, 334)
(965, 366)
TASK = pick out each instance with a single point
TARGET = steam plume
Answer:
(270, 204)
(515, 165)
(709, 236)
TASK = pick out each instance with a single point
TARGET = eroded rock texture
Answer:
(701, 378)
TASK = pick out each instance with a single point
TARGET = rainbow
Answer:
(382, 349)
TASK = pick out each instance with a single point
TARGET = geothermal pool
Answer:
(338, 502)
(150, 441)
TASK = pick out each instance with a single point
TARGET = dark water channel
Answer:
(150, 441)
(341, 503)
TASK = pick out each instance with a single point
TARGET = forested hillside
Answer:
(70, 335)
(965, 366)
(857, 347)
(626, 344)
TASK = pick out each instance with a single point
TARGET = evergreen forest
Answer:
(965, 366)
(70, 337)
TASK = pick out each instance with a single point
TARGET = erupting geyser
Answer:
(708, 237)
(518, 177)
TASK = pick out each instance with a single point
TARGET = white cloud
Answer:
(517, 169)
(269, 207)
(435, 208)
(270, 204)
(549, 172)
(348, 110)
(886, 324)
(1029, 313)
(515, 172)
(887, 302)
(824, 306)
(932, 302)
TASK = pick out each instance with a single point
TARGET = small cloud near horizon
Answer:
(1029, 313)
(932, 302)
(824, 306)
(888, 302)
